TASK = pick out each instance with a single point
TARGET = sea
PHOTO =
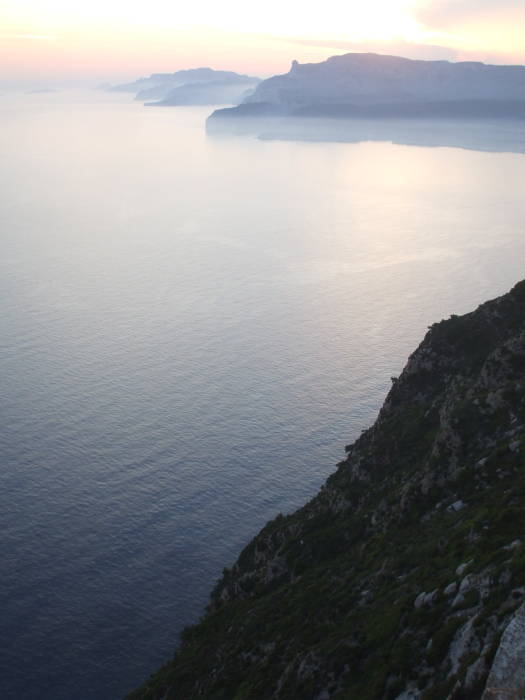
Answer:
(192, 328)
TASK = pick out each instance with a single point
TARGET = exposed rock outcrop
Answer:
(507, 674)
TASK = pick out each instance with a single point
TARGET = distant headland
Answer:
(368, 85)
(195, 86)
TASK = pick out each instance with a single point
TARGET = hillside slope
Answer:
(405, 576)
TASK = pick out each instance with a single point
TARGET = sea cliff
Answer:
(405, 576)
(368, 86)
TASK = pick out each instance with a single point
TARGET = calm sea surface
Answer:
(192, 328)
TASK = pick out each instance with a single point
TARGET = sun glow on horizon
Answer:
(108, 37)
(378, 19)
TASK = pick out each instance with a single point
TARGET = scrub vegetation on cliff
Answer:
(400, 578)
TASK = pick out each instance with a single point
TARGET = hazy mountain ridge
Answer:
(374, 85)
(212, 93)
(192, 86)
(372, 78)
(405, 577)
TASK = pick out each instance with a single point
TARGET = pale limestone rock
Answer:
(431, 597)
(506, 679)
(465, 641)
(515, 544)
(467, 583)
(458, 600)
(425, 598)
(420, 600)
(456, 506)
(463, 567)
(411, 693)
(451, 589)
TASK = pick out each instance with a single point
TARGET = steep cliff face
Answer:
(403, 578)
(367, 85)
(367, 78)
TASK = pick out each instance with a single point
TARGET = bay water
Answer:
(192, 328)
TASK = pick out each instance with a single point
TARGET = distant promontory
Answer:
(368, 85)
(195, 86)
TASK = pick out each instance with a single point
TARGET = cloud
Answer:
(418, 51)
(392, 47)
(37, 37)
(444, 14)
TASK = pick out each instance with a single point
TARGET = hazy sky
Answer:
(116, 39)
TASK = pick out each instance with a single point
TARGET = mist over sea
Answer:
(192, 329)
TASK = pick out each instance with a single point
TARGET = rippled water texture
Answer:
(192, 329)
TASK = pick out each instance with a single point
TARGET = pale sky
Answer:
(113, 40)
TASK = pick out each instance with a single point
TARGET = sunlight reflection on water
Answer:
(192, 330)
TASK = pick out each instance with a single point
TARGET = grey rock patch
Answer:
(425, 598)
(515, 544)
(420, 600)
(507, 674)
(464, 642)
(458, 600)
(411, 693)
(463, 567)
(456, 506)
(450, 589)
(467, 583)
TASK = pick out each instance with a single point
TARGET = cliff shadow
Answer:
(496, 135)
